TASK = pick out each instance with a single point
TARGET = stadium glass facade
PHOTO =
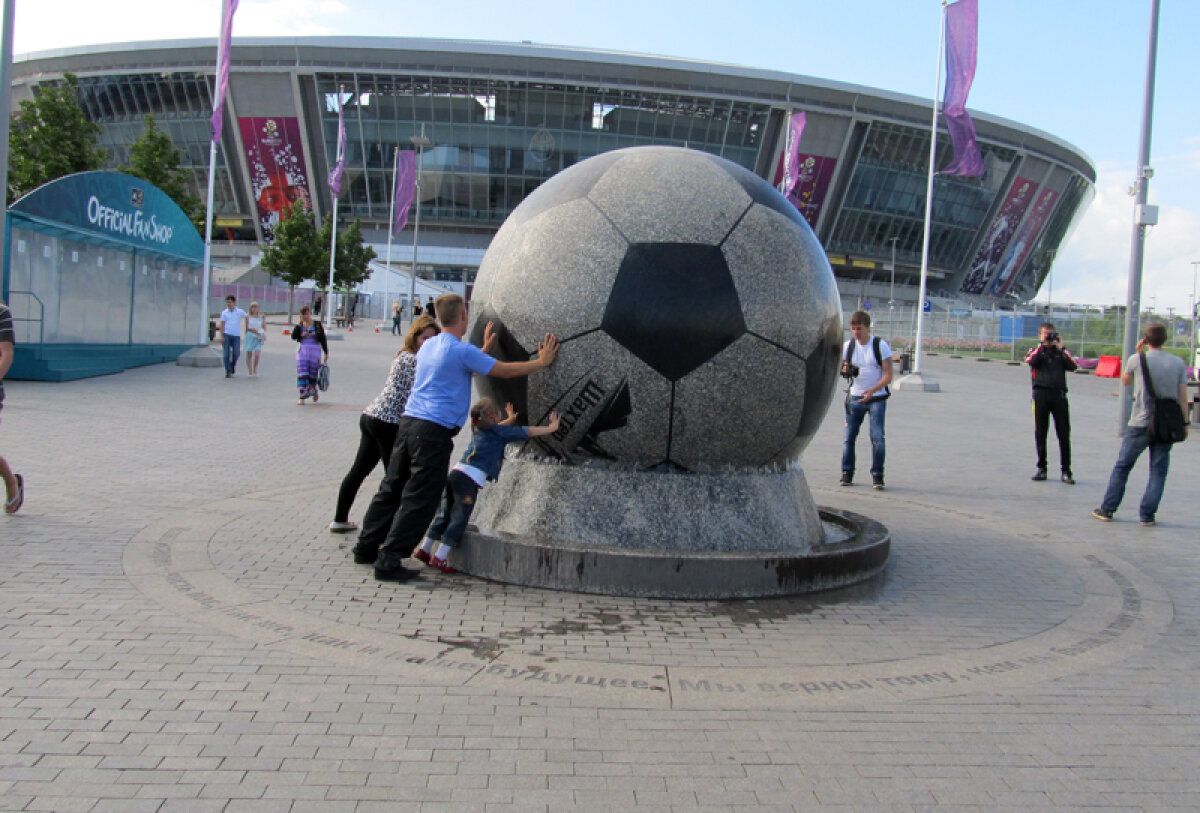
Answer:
(501, 119)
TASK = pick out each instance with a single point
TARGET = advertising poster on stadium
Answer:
(1025, 240)
(278, 175)
(998, 236)
(808, 195)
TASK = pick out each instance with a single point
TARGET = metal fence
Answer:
(1088, 332)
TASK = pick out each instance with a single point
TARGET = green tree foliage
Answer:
(51, 137)
(352, 263)
(155, 158)
(297, 254)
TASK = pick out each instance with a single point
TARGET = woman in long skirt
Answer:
(311, 336)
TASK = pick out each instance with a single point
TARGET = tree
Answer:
(50, 137)
(297, 253)
(352, 263)
(155, 158)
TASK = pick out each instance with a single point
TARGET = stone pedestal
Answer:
(917, 382)
(614, 530)
(204, 355)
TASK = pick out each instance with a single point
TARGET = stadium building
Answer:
(502, 118)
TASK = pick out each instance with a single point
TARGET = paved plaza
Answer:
(181, 633)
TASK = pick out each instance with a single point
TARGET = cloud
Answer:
(71, 23)
(288, 18)
(1093, 267)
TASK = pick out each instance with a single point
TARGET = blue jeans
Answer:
(1135, 442)
(457, 504)
(231, 348)
(877, 409)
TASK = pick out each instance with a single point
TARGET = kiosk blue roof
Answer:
(112, 207)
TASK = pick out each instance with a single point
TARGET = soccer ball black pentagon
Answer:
(698, 316)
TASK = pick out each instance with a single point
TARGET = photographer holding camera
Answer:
(867, 365)
(1049, 363)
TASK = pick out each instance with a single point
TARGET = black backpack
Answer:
(878, 360)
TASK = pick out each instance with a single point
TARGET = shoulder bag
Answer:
(1166, 424)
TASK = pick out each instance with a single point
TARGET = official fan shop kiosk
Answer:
(102, 272)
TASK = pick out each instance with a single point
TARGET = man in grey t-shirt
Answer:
(1168, 377)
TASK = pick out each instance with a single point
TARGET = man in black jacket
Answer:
(1049, 362)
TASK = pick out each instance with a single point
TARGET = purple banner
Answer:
(813, 174)
(226, 44)
(962, 23)
(278, 175)
(1024, 241)
(406, 187)
(335, 174)
(791, 152)
(998, 235)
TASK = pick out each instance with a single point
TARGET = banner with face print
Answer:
(278, 174)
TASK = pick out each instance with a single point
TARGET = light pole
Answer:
(1195, 269)
(892, 294)
(420, 142)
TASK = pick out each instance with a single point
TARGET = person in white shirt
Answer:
(233, 321)
(867, 364)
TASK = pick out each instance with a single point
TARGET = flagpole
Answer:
(1143, 216)
(333, 222)
(421, 142)
(387, 277)
(915, 378)
(206, 276)
(787, 152)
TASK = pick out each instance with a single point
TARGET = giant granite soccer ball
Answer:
(698, 316)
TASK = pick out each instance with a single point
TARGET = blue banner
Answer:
(117, 206)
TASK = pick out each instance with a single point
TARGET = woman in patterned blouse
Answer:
(378, 423)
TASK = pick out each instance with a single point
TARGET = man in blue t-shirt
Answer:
(438, 406)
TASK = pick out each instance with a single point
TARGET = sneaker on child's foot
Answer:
(441, 565)
(1040, 474)
(1103, 515)
(847, 478)
(1148, 523)
(421, 555)
(1067, 478)
(877, 481)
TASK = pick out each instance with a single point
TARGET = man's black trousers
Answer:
(1047, 402)
(407, 500)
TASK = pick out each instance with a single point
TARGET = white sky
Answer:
(1071, 69)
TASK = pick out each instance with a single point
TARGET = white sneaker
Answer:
(342, 527)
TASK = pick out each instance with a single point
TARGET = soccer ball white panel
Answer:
(567, 256)
(669, 195)
(611, 405)
(741, 408)
(783, 279)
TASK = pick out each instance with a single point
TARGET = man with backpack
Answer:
(867, 365)
(1154, 374)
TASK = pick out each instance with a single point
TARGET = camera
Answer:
(1051, 337)
(850, 371)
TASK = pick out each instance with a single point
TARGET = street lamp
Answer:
(420, 142)
(892, 295)
(1195, 268)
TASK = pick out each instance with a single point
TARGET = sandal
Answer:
(14, 505)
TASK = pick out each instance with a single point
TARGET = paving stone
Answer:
(145, 664)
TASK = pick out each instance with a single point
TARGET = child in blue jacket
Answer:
(482, 462)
